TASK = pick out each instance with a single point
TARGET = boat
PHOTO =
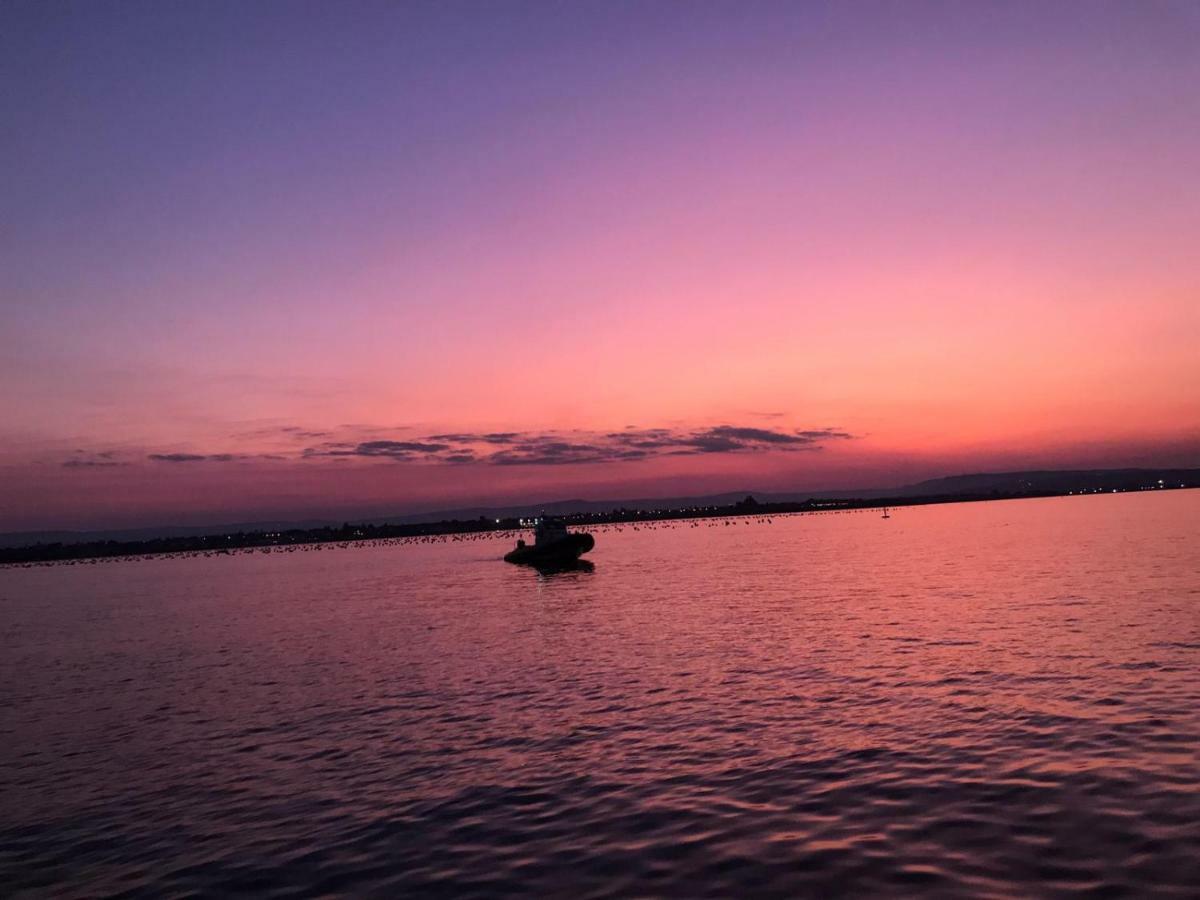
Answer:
(886, 514)
(552, 545)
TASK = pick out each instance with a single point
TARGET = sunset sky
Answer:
(290, 260)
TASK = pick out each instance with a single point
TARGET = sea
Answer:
(980, 699)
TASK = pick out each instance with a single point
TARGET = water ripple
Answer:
(817, 713)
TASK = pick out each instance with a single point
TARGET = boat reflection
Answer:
(563, 567)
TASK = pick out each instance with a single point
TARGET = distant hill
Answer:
(983, 483)
(1056, 481)
(999, 483)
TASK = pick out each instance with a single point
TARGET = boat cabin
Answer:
(547, 531)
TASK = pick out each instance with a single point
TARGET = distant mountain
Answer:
(1052, 481)
(999, 483)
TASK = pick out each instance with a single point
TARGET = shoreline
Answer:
(225, 544)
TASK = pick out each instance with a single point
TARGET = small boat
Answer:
(552, 545)
(886, 514)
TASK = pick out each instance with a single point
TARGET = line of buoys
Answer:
(506, 535)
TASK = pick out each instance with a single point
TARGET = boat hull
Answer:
(565, 550)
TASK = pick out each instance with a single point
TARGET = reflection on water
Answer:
(565, 568)
(991, 698)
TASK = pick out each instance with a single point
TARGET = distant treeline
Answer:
(217, 543)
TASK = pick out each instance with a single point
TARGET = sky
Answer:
(264, 261)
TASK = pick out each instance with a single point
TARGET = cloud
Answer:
(397, 450)
(86, 459)
(387, 448)
(515, 448)
(492, 437)
(549, 450)
(756, 435)
(725, 439)
(825, 434)
(209, 457)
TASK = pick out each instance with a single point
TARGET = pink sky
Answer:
(958, 238)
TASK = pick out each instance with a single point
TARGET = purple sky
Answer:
(243, 241)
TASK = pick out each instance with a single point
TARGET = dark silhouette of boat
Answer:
(564, 568)
(552, 546)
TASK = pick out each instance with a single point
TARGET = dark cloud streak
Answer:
(191, 457)
(517, 448)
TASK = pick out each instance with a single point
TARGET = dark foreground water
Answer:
(989, 699)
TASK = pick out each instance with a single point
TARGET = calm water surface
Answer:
(988, 699)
